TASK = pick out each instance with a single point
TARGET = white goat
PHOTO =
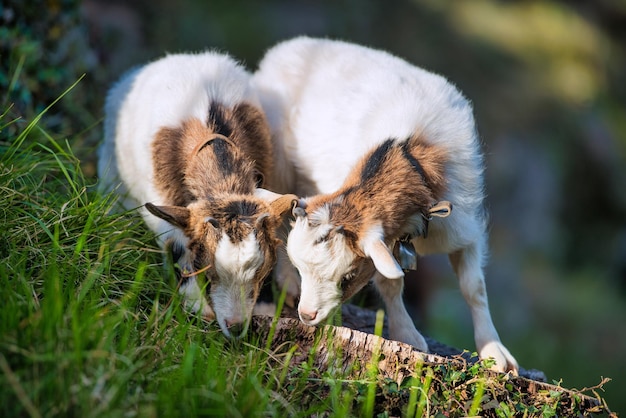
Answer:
(387, 146)
(186, 134)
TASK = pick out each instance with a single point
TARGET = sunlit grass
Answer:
(89, 327)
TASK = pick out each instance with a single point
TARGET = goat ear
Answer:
(375, 248)
(176, 215)
(441, 209)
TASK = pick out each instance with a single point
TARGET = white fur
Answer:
(165, 93)
(238, 262)
(374, 247)
(316, 265)
(236, 265)
(330, 103)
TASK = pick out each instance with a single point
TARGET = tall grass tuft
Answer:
(89, 326)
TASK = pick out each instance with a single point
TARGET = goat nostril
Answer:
(235, 327)
(308, 316)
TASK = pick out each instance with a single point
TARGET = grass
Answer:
(91, 325)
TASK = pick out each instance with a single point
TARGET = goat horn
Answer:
(200, 145)
(298, 212)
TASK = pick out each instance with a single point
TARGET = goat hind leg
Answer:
(467, 264)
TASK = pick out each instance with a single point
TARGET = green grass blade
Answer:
(18, 143)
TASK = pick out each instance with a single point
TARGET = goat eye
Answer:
(321, 239)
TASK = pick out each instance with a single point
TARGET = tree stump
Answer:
(349, 349)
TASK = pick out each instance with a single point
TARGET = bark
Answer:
(349, 351)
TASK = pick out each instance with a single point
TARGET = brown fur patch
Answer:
(387, 186)
(169, 167)
(253, 136)
(183, 178)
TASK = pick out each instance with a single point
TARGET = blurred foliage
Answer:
(548, 83)
(44, 50)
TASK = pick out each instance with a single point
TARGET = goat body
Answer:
(378, 144)
(186, 136)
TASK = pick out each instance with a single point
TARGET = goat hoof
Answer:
(505, 362)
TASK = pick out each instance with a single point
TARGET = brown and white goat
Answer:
(382, 146)
(185, 135)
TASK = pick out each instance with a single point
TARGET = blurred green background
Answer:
(548, 83)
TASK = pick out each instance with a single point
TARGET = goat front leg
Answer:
(467, 264)
(401, 326)
(194, 299)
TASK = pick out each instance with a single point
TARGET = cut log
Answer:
(349, 352)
